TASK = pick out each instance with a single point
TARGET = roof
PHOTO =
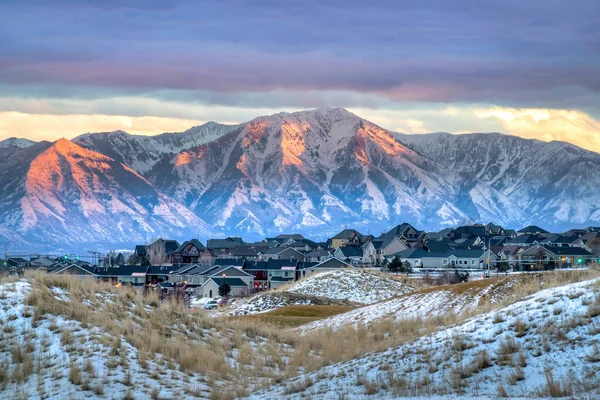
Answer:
(141, 250)
(295, 236)
(228, 243)
(278, 264)
(318, 253)
(232, 282)
(421, 253)
(350, 251)
(527, 239)
(307, 265)
(532, 229)
(195, 242)
(229, 262)
(382, 243)
(399, 230)
(161, 270)
(347, 234)
(255, 266)
(568, 251)
(281, 279)
(123, 270)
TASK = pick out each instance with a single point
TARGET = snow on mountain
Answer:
(543, 346)
(551, 182)
(63, 193)
(141, 152)
(303, 170)
(17, 143)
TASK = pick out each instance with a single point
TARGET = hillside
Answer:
(431, 302)
(269, 301)
(352, 285)
(542, 346)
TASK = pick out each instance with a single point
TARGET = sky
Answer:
(525, 67)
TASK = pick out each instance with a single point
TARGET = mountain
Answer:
(141, 152)
(60, 193)
(315, 171)
(15, 143)
(552, 182)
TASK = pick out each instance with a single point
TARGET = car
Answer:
(211, 305)
(226, 301)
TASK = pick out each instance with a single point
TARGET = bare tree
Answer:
(206, 258)
(594, 246)
(156, 252)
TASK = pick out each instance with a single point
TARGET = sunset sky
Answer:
(530, 68)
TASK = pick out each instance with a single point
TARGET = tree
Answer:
(120, 260)
(384, 264)
(502, 267)
(206, 258)
(406, 267)
(461, 276)
(134, 259)
(224, 290)
(594, 246)
(156, 252)
(395, 265)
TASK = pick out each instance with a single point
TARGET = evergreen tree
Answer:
(395, 265)
(224, 290)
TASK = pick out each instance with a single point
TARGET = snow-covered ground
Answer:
(425, 303)
(546, 345)
(269, 301)
(52, 357)
(352, 285)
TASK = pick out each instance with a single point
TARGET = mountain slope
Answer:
(141, 152)
(62, 193)
(17, 143)
(307, 169)
(552, 182)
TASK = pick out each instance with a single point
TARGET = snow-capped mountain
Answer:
(554, 183)
(315, 171)
(141, 152)
(64, 194)
(16, 143)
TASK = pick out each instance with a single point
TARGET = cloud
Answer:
(535, 54)
(547, 124)
(51, 127)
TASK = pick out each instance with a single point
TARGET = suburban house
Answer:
(281, 272)
(528, 240)
(280, 253)
(189, 252)
(556, 256)
(210, 288)
(375, 250)
(260, 272)
(350, 254)
(452, 258)
(317, 255)
(532, 230)
(222, 247)
(347, 237)
(195, 277)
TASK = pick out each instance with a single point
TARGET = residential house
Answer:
(526, 240)
(319, 255)
(450, 259)
(279, 253)
(375, 250)
(347, 237)
(189, 252)
(260, 271)
(222, 247)
(281, 272)
(543, 256)
(532, 230)
(350, 254)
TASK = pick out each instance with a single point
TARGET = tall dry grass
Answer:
(245, 351)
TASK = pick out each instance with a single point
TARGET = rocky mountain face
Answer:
(555, 183)
(315, 171)
(141, 152)
(63, 194)
(312, 172)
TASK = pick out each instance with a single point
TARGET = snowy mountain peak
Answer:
(19, 143)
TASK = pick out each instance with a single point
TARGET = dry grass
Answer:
(196, 343)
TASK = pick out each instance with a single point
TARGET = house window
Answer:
(473, 262)
(445, 262)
